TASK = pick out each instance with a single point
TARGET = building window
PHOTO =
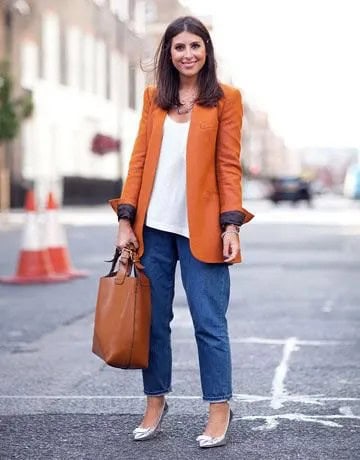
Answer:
(114, 76)
(139, 17)
(132, 86)
(151, 11)
(29, 64)
(89, 64)
(132, 10)
(114, 6)
(101, 77)
(73, 57)
(50, 47)
(64, 65)
(123, 82)
(120, 8)
(108, 74)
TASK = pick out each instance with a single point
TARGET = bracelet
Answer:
(229, 231)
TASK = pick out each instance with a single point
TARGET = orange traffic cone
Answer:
(34, 264)
(55, 241)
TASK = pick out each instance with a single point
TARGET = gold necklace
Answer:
(185, 107)
(186, 104)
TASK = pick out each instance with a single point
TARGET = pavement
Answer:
(294, 322)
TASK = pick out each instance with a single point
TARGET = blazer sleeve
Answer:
(125, 206)
(228, 165)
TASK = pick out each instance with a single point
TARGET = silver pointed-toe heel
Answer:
(142, 434)
(206, 441)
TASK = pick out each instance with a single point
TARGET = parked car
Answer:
(352, 182)
(292, 189)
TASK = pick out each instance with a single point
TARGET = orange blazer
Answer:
(213, 170)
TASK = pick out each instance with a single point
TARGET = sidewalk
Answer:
(68, 215)
(326, 211)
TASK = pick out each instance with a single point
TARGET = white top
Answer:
(167, 208)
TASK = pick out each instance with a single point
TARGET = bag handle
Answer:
(113, 262)
(125, 259)
(129, 260)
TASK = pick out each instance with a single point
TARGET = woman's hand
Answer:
(231, 243)
(126, 235)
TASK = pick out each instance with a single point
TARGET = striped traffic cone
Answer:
(34, 264)
(56, 242)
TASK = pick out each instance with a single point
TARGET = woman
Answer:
(182, 201)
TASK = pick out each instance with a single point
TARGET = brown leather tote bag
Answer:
(123, 314)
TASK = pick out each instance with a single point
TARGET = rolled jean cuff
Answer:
(215, 399)
(157, 393)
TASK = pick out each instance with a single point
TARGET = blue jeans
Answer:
(207, 288)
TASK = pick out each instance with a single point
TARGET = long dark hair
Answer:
(167, 76)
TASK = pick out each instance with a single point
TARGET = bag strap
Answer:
(125, 254)
(113, 262)
(123, 262)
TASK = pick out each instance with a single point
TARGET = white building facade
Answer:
(80, 59)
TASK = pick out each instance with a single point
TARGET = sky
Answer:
(296, 59)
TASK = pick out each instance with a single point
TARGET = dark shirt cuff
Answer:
(126, 211)
(231, 217)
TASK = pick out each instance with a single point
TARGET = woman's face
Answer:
(188, 53)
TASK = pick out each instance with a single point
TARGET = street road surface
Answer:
(294, 321)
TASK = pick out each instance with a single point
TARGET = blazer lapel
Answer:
(158, 116)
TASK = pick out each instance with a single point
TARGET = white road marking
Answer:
(278, 383)
(89, 397)
(279, 395)
(251, 340)
(266, 341)
(272, 421)
(236, 398)
(302, 399)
